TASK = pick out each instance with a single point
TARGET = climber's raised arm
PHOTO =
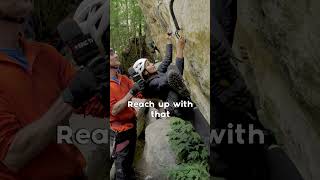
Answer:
(180, 59)
(163, 67)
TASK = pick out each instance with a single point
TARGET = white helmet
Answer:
(93, 17)
(139, 66)
(15, 10)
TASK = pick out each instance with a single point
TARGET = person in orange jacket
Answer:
(35, 80)
(122, 119)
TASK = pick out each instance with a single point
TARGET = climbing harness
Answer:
(174, 20)
(162, 22)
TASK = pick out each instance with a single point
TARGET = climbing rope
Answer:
(163, 23)
(174, 20)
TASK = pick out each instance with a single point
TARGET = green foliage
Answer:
(194, 171)
(190, 151)
(186, 143)
(126, 21)
(127, 31)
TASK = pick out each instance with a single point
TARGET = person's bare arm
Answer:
(32, 139)
(180, 47)
(120, 105)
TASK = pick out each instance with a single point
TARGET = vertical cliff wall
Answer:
(194, 18)
(282, 39)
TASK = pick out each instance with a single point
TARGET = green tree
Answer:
(127, 30)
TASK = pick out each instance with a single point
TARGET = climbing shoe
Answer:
(175, 81)
(173, 97)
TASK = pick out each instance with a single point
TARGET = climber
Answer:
(35, 81)
(166, 82)
(122, 119)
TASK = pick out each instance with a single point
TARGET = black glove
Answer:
(86, 83)
(137, 87)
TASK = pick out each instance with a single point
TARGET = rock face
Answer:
(157, 157)
(141, 118)
(194, 18)
(282, 39)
